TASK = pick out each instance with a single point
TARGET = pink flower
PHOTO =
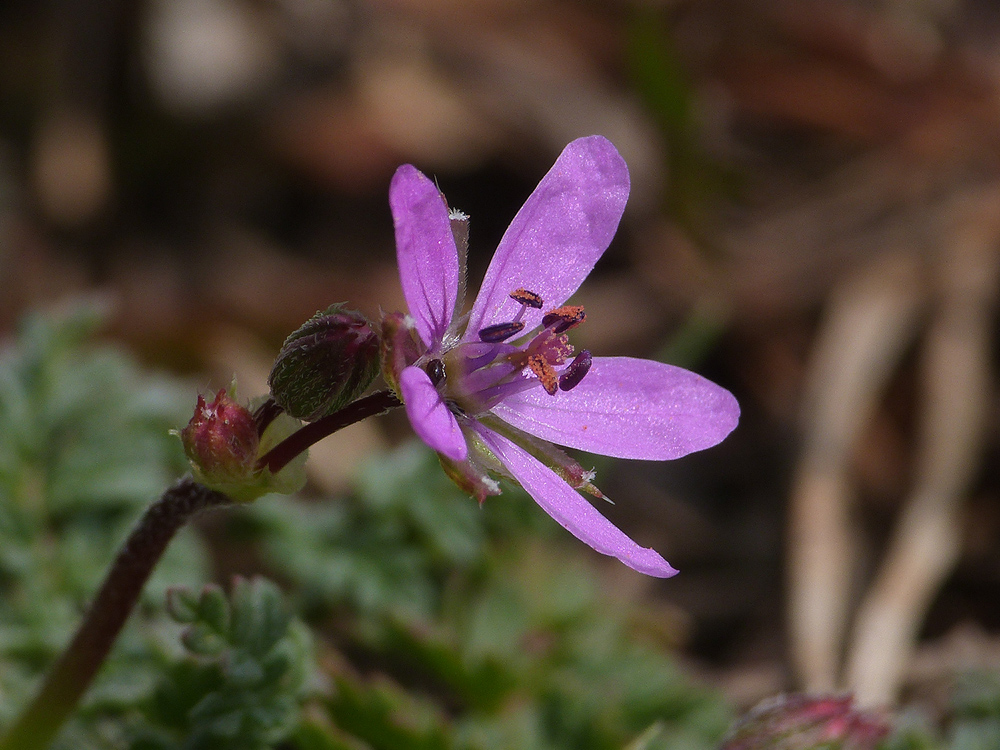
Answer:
(492, 391)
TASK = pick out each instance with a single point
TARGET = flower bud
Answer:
(221, 440)
(804, 722)
(224, 446)
(325, 364)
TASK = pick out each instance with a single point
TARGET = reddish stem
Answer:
(369, 406)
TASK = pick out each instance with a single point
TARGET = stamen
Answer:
(570, 377)
(500, 332)
(545, 373)
(435, 371)
(563, 318)
(526, 298)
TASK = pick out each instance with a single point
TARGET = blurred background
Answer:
(814, 224)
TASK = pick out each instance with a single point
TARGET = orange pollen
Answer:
(527, 298)
(553, 347)
(563, 318)
(545, 373)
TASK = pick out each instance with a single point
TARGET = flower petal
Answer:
(431, 418)
(571, 510)
(628, 408)
(558, 235)
(426, 252)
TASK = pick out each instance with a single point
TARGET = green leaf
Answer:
(182, 604)
(203, 639)
(214, 611)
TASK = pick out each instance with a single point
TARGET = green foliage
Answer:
(976, 705)
(444, 625)
(83, 450)
(441, 624)
(972, 723)
(244, 677)
(383, 549)
(484, 631)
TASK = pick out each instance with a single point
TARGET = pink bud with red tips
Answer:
(221, 439)
(224, 444)
(806, 722)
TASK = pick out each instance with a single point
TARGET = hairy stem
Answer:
(75, 670)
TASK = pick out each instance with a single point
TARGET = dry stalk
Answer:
(926, 543)
(868, 326)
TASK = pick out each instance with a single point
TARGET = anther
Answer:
(500, 332)
(545, 373)
(526, 298)
(435, 371)
(563, 318)
(570, 377)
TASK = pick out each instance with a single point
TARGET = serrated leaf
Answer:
(202, 639)
(182, 604)
(214, 610)
(259, 616)
(244, 671)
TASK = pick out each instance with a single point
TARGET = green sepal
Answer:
(568, 469)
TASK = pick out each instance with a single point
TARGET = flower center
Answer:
(482, 374)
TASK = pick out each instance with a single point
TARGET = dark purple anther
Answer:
(435, 371)
(563, 318)
(570, 377)
(500, 332)
(526, 298)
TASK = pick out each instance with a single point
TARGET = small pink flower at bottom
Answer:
(494, 391)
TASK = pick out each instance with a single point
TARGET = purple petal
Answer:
(571, 510)
(558, 235)
(431, 418)
(629, 408)
(426, 252)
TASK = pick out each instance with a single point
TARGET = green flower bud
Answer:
(325, 364)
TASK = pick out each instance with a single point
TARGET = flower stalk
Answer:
(300, 440)
(75, 670)
(72, 674)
